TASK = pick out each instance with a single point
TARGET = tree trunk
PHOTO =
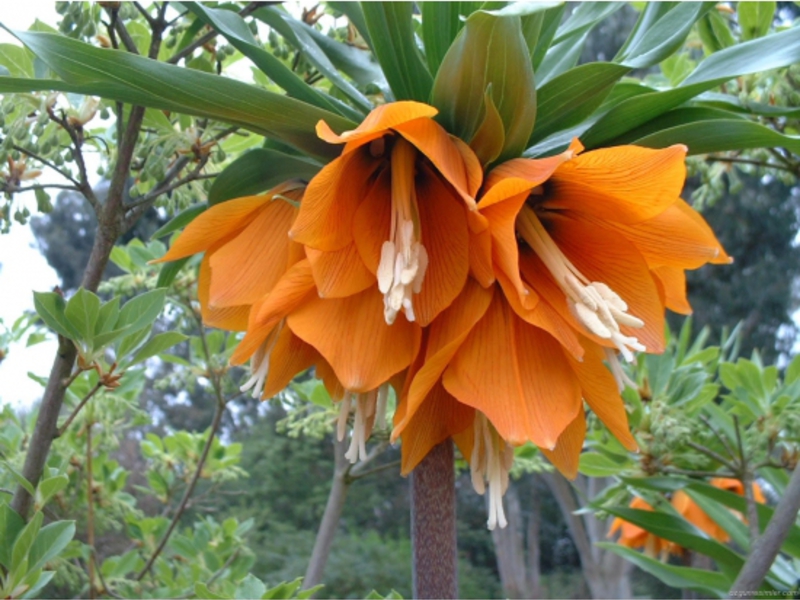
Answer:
(534, 555)
(433, 524)
(509, 550)
(606, 574)
(331, 516)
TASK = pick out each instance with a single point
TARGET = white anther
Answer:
(386, 267)
(490, 463)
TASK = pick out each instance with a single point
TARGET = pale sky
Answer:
(23, 268)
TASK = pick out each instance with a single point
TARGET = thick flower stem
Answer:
(433, 524)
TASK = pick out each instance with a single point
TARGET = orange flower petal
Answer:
(296, 286)
(233, 318)
(600, 391)
(352, 335)
(433, 141)
(627, 184)
(290, 356)
(517, 375)
(534, 171)
(480, 257)
(340, 272)
(324, 371)
(217, 223)
(472, 164)
(247, 267)
(373, 221)
(543, 316)
(605, 256)
(673, 284)
(566, 455)
(379, 120)
(678, 237)
(444, 234)
(439, 417)
(502, 216)
(325, 219)
(446, 334)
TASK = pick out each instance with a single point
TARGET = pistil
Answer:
(490, 463)
(404, 259)
(259, 364)
(369, 409)
(595, 305)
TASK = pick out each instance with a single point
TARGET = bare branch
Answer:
(77, 409)
(46, 162)
(694, 473)
(52, 186)
(383, 467)
(150, 20)
(204, 39)
(715, 455)
(756, 163)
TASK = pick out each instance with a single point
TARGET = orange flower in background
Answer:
(634, 536)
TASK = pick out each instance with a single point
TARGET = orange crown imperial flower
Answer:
(490, 305)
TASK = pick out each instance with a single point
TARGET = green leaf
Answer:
(567, 44)
(50, 307)
(142, 310)
(82, 311)
(598, 465)
(441, 22)
(50, 541)
(36, 581)
(547, 31)
(297, 34)
(24, 541)
(572, 96)
(120, 257)
(250, 587)
(489, 56)
(131, 341)
(683, 533)
(352, 10)
(764, 54)
(709, 582)
(714, 32)
(179, 221)
(667, 33)
(201, 591)
(755, 18)
(257, 171)
(10, 526)
(793, 370)
(138, 80)
(719, 136)
(156, 345)
(391, 31)
(235, 30)
(170, 270)
(47, 488)
(17, 60)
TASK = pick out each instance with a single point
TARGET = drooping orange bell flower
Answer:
(634, 536)
(246, 252)
(395, 208)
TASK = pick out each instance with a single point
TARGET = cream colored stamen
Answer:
(404, 259)
(595, 305)
(490, 463)
(616, 370)
(259, 364)
(368, 408)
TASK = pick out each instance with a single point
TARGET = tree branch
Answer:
(201, 41)
(764, 550)
(715, 455)
(756, 163)
(217, 420)
(46, 162)
(78, 408)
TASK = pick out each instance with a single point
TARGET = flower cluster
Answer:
(634, 536)
(494, 304)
